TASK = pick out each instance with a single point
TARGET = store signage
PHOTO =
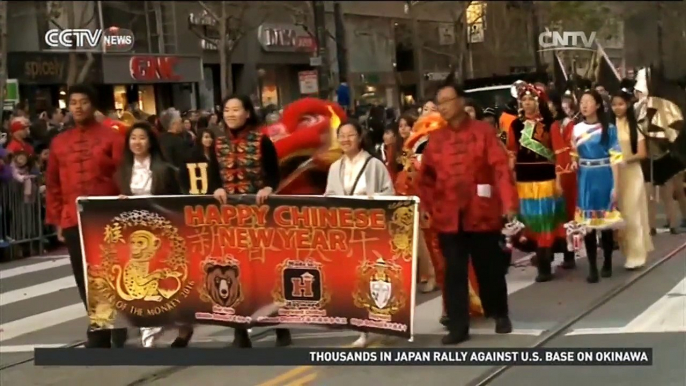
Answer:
(153, 68)
(285, 38)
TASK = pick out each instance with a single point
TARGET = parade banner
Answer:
(327, 261)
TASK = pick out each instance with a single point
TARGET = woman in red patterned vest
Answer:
(248, 164)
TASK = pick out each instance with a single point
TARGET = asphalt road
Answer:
(39, 308)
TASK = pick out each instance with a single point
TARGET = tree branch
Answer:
(437, 52)
(85, 69)
(209, 10)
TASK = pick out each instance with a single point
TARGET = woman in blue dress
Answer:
(598, 157)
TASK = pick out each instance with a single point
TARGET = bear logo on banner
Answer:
(222, 283)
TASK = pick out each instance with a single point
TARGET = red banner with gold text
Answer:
(334, 262)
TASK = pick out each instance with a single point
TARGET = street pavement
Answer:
(39, 307)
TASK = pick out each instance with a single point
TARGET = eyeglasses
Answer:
(441, 103)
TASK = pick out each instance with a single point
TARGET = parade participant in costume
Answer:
(561, 137)
(541, 206)
(144, 172)
(635, 240)
(248, 164)
(82, 162)
(357, 173)
(466, 188)
(661, 121)
(598, 155)
(305, 145)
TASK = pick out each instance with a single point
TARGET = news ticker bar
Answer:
(343, 357)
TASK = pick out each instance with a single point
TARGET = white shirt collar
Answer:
(144, 164)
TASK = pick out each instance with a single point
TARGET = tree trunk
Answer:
(224, 67)
(3, 52)
(73, 69)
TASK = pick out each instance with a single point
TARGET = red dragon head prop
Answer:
(306, 144)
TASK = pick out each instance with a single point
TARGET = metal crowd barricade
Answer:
(23, 231)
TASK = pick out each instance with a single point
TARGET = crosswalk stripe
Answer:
(24, 269)
(41, 321)
(666, 314)
(37, 290)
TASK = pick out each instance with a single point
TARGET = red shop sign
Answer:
(153, 68)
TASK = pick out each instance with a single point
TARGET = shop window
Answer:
(62, 101)
(120, 100)
(268, 87)
(146, 99)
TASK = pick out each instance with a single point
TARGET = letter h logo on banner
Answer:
(301, 283)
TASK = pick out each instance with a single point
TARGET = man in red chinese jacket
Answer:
(82, 162)
(466, 187)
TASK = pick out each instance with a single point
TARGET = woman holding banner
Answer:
(144, 172)
(357, 173)
(248, 164)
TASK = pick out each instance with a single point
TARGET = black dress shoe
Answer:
(119, 337)
(99, 339)
(606, 272)
(182, 341)
(503, 325)
(653, 231)
(454, 338)
(241, 338)
(593, 276)
(283, 337)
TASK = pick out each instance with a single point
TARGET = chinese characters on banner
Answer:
(336, 262)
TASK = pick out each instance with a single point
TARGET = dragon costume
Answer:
(405, 185)
(306, 144)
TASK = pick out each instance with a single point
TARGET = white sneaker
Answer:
(362, 341)
(148, 335)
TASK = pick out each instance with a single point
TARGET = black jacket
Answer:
(174, 148)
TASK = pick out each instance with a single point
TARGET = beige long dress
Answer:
(635, 240)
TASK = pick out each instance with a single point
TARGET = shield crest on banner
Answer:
(381, 292)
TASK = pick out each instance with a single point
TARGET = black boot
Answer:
(608, 243)
(569, 260)
(545, 272)
(283, 337)
(606, 271)
(99, 339)
(592, 265)
(241, 338)
(119, 337)
(185, 335)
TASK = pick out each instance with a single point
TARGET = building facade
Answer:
(153, 76)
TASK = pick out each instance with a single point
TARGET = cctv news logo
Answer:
(566, 41)
(112, 39)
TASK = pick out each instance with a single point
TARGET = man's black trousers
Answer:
(489, 266)
(72, 239)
